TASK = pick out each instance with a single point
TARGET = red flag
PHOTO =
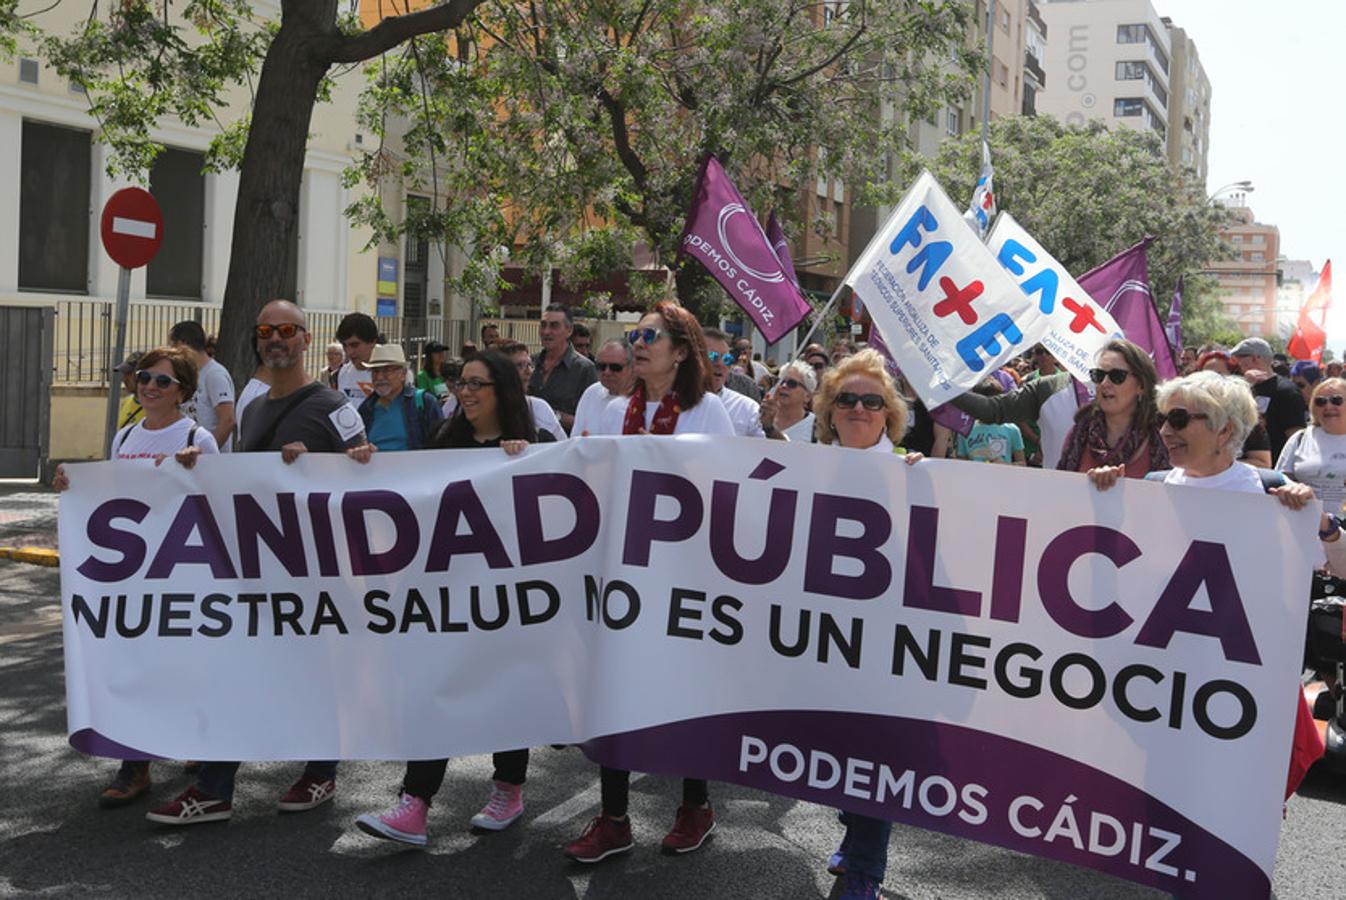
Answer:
(1310, 334)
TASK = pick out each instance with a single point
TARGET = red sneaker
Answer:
(191, 807)
(604, 837)
(307, 793)
(690, 829)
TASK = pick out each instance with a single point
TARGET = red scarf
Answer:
(665, 417)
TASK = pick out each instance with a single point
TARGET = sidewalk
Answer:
(28, 522)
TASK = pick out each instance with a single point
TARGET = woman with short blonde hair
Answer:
(866, 366)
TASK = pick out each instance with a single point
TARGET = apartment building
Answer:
(1119, 62)
(1298, 278)
(1248, 283)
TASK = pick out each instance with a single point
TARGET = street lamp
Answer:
(1245, 186)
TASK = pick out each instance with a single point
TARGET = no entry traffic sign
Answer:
(132, 227)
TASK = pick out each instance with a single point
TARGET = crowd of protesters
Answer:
(1229, 416)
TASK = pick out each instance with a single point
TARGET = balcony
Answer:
(1034, 68)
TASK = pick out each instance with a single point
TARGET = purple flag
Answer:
(1122, 287)
(724, 236)
(776, 235)
(1174, 328)
(945, 414)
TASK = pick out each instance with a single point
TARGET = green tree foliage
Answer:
(567, 132)
(1088, 193)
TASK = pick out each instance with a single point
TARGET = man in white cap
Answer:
(1278, 400)
(396, 415)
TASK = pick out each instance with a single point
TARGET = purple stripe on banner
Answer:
(952, 779)
(86, 740)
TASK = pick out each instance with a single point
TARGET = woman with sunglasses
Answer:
(1316, 456)
(671, 395)
(493, 412)
(1117, 435)
(166, 378)
(785, 411)
(859, 407)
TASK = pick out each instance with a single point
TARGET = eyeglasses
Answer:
(716, 356)
(791, 383)
(1116, 376)
(1179, 418)
(606, 367)
(648, 335)
(472, 385)
(871, 402)
(1335, 400)
(161, 380)
(286, 330)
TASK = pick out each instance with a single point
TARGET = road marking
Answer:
(576, 805)
(133, 227)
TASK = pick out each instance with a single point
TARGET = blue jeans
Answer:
(865, 845)
(217, 778)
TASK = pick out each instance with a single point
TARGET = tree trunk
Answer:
(267, 213)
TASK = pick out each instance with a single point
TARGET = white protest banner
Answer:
(948, 311)
(1079, 327)
(1107, 678)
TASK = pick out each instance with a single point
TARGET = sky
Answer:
(1278, 117)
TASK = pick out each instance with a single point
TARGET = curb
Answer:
(39, 556)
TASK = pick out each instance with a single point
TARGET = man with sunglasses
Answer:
(614, 380)
(1279, 402)
(295, 416)
(744, 412)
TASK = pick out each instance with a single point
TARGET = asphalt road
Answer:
(56, 842)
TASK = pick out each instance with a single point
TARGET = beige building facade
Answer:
(1119, 62)
(1248, 284)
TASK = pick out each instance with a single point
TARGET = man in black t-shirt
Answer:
(295, 416)
(1278, 400)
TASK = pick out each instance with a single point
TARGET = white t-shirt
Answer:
(354, 384)
(213, 387)
(1055, 419)
(744, 412)
(1239, 477)
(1318, 459)
(544, 417)
(135, 441)
(255, 388)
(801, 431)
(590, 408)
(707, 417)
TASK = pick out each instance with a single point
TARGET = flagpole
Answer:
(822, 317)
(990, 63)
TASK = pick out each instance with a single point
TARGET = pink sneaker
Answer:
(505, 805)
(404, 823)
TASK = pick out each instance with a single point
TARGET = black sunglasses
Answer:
(871, 402)
(286, 330)
(1116, 376)
(1179, 418)
(604, 367)
(791, 383)
(161, 380)
(1335, 400)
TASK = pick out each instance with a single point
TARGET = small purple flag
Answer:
(1174, 328)
(1122, 287)
(724, 236)
(776, 235)
(945, 414)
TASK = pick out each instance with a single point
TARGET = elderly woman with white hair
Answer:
(785, 410)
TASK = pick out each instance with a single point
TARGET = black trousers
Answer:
(615, 787)
(424, 777)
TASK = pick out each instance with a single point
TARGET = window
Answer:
(415, 262)
(840, 207)
(1001, 74)
(177, 182)
(54, 179)
(1004, 19)
(1131, 34)
(1131, 70)
(953, 121)
(1257, 257)
(1124, 107)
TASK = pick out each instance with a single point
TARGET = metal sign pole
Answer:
(118, 354)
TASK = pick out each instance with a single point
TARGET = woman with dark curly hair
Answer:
(1117, 435)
